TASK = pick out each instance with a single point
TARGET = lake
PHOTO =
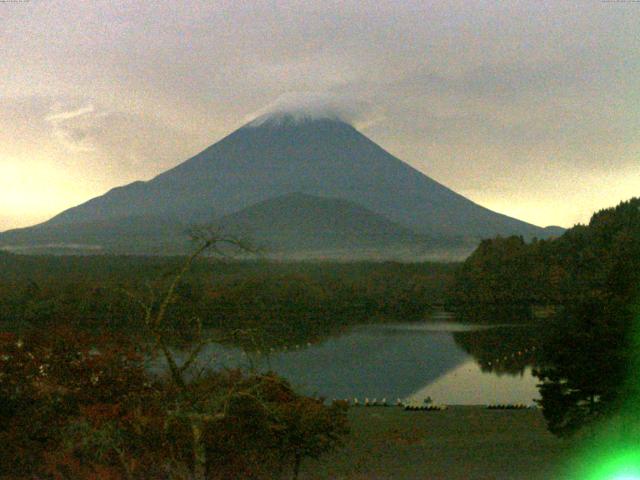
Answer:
(410, 361)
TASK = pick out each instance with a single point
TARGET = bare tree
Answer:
(207, 239)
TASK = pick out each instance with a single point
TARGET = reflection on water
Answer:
(435, 326)
(503, 349)
(469, 385)
(402, 360)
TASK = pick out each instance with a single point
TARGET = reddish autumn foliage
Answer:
(54, 387)
(268, 428)
(77, 406)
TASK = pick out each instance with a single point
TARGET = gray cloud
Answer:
(314, 105)
(476, 94)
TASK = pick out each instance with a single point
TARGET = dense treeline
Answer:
(505, 272)
(247, 302)
(598, 260)
(591, 275)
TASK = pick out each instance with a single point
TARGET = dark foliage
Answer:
(76, 406)
(253, 304)
(590, 276)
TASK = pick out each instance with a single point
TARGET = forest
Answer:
(76, 398)
(298, 301)
(588, 283)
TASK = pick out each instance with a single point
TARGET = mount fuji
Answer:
(297, 184)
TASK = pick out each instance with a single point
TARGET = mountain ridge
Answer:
(325, 158)
(298, 221)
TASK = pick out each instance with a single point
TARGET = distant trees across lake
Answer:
(250, 303)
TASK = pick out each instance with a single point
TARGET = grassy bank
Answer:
(465, 443)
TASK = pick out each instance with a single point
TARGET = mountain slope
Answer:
(299, 222)
(137, 234)
(318, 157)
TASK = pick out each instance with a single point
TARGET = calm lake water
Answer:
(399, 360)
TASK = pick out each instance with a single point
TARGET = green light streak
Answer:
(620, 466)
(613, 451)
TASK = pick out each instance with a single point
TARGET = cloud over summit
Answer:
(313, 106)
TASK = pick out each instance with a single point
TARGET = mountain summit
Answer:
(273, 157)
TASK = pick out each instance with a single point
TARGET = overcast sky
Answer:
(531, 108)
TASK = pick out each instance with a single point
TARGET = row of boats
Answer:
(427, 405)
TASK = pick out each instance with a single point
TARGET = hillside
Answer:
(297, 222)
(271, 159)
